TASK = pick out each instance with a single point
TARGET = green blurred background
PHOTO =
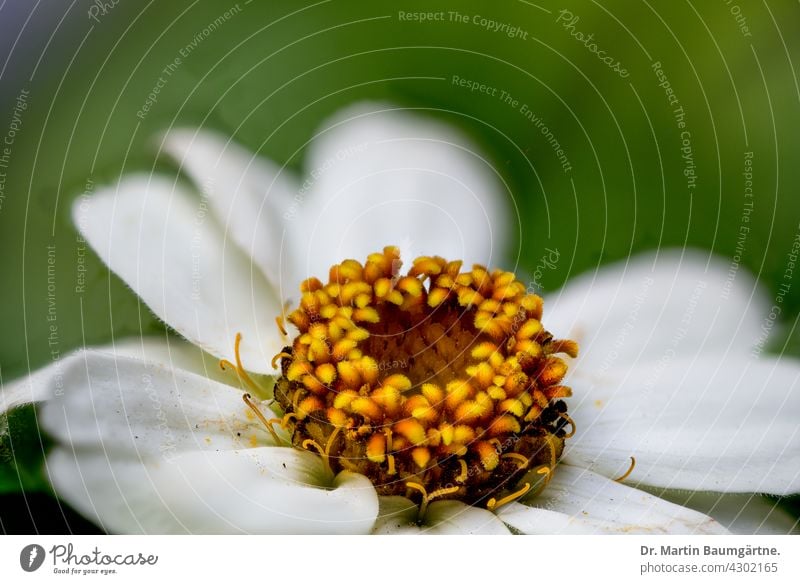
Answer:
(269, 72)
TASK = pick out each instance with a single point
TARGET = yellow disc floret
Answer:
(441, 380)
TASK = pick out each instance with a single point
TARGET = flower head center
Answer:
(441, 382)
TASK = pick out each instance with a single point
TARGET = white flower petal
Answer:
(40, 384)
(701, 423)
(379, 176)
(398, 516)
(680, 302)
(169, 352)
(744, 514)
(163, 243)
(175, 353)
(247, 193)
(259, 490)
(580, 501)
(129, 408)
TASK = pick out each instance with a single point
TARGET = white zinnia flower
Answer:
(152, 437)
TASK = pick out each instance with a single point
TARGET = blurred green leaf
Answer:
(22, 452)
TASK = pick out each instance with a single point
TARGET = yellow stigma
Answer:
(440, 379)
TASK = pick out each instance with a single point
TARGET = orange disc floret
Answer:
(440, 377)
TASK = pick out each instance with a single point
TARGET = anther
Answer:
(442, 492)
(423, 506)
(286, 418)
(246, 397)
(331, 439)
(428, 498)
(280, 355)
(493, 504)
(553, 455)
(522, 462)
(311, 442)
(244, 378)
(627, 472)
(464, 474)
(546, 472)
(281, 327)
(239, 368)
(388, 432)
(571, 422)
(405, 372)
